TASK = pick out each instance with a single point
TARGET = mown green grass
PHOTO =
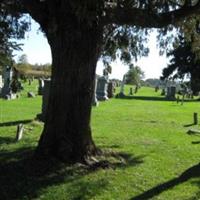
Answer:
(147, 133)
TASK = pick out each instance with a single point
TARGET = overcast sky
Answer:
(38, 51)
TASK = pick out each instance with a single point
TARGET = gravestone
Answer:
(171, 92)
(6, 91)
(94, 99)
(45, 99)
(30, 95)
(1, 83)
(163, 92)
(41, 86)
(121, 93)
(131, 91)
(110, 89)
(102, 85)
(156, 88)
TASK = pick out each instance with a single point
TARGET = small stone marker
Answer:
(136, 89)
(195, 116)
(156, 88)
(1, 82)
(110, 89)
(183, 98)
(20, 130)
(163, 92)
(41, 86)
(131, 91)
(94, 98)
(193, 131)
(31, 95)
(177, 99)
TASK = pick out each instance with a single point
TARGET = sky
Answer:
(38, 51)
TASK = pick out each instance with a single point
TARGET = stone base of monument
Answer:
(10, 96)
(120, 95)
(102, 97)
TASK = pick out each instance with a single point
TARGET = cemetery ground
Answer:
(145, 138)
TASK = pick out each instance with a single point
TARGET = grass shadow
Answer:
(195, 142)
(153, 98)
(15, 123)
(6, 140)
(192, 172)
(21, 177)
(188, 125)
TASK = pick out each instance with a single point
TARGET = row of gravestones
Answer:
(104, 89)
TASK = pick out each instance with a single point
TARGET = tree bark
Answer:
(195, 85)
(67, 132)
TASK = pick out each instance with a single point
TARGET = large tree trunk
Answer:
(195, 82)
(67, 132)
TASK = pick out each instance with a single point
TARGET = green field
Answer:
(145, 137)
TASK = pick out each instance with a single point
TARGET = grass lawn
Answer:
(154, 157)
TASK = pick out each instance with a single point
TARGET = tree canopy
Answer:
(134, 75)
(79, 33)
(184, 63)
(126, 22)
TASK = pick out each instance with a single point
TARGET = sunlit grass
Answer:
(148, 132)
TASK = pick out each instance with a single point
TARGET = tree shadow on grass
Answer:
(23, 178)
(146, 98)
(192, 172)
(188, 125)
(6, 140)
(15, 123)
(195, 142)
(153, 98)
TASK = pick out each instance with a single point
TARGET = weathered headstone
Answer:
(94, 99)
(30, 95)
(102, 86)
(163, 92)
(121, 93)
(45, 99)
(156, 88)
(136, 89)
(195, 117)
(6, 91)
(131, 91)
(110, 89)
(1, 83)
(41, 86)
(171, 92)
(19, 134)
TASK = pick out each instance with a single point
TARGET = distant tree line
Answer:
(27, 69)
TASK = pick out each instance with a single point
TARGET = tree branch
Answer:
(146, 19)
(36, 8)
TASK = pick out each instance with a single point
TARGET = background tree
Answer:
(184, 62)
(23, 59)
(11, 27)
(79, 32)
(134, 75)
